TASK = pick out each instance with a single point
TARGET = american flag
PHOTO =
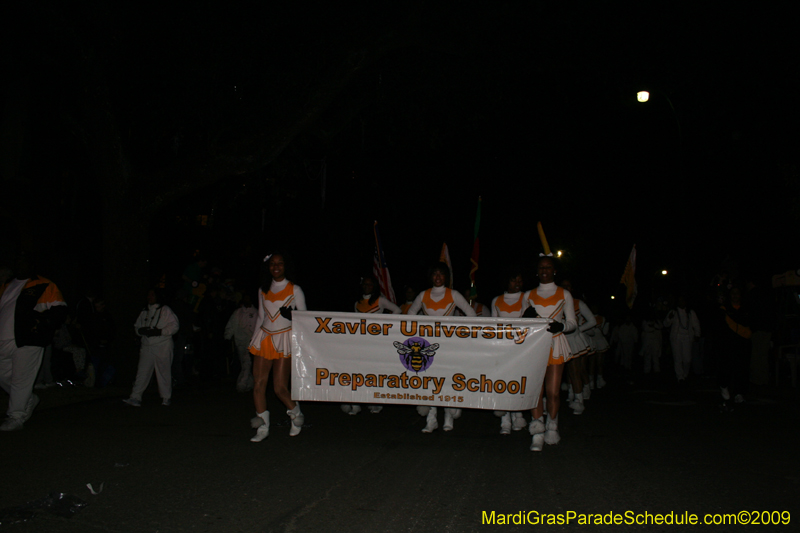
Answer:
(380, 270)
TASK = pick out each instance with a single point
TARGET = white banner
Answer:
(483, 363)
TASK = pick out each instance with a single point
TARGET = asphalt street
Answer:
(641, 446)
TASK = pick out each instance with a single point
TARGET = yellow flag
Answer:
(629, 279)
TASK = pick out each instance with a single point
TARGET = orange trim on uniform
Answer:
(546, 302)
(444, 303)
(405, 307)
(501, 304)
(363, 306)
(267, 349)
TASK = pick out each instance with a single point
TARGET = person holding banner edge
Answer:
(439, 301)
(550, 301)
(272, 345)
(510, 304)
(371, 302)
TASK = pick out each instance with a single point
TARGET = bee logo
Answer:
(416, 353)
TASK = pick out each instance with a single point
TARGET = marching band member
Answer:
(685, 329)
(439, 301)
(272, 346)
(510, 304)
(553, 302)
(371, 302)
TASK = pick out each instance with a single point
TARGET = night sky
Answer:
(410, 115)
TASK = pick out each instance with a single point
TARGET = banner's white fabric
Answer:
(483, 363)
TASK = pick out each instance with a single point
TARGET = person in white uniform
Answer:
(550, 301)
(31, 309)
(439, 301)
(272, 345)
(510, 304)
(684, 330)
(155, 326)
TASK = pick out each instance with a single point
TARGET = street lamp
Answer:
(559, 253)
(663, 272)
(644, 96)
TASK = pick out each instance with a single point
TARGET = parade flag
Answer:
(473, 291)
(444, 257)
(474, 362)
(545, 246)
(380, 270)
(629, 279)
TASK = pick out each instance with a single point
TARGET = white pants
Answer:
(159, 358)
(18, 369)
(682, 354)
(651, 351)
(245, 380)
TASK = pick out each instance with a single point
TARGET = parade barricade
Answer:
(481, 363)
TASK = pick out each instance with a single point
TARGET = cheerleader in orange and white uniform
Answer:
(272, 346)
(439, 301)
(510, 304)
(581, 345)
(371, 302)
(554, 302)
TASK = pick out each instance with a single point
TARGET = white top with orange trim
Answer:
(281, 294)
(378, 306)
(509, 305)
(554, 302)
(440, 301)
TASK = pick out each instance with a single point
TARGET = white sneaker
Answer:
(261, 423)
(587, 392)
(133, 402)
(577, 406)
(11, 424)
(505, 424)
(423, 410)
(430, 422)
(261, 433)
(518, 421)
(297, 419)
(166, 402)
(551, 435)
(355, 409)
(33, 401)
(448, 419)
(725, 394)
(346, 408)
(537, 429)
(591, 384)
(600, 382)
(375, 409)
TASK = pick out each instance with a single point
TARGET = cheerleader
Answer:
(272, 346)
(550, 301)
(580, 345)
(439, 301)
(371, 302)
(510, 304)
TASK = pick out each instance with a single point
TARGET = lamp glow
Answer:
(643, 96)
(559, 253)
(663, 272)
(613, 297)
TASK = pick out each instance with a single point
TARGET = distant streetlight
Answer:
(559, 253)
(663, 272)
(613, 297)
(644, 96)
